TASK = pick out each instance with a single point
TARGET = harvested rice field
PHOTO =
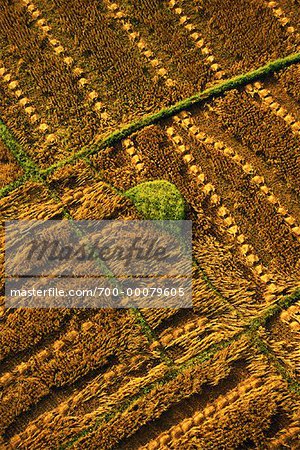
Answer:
(150, 110)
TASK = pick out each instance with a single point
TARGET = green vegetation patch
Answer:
(157, 200)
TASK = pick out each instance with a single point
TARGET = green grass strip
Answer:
(214, 91)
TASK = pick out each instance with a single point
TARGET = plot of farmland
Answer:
(97, 98)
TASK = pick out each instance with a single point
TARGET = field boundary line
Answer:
(39, 176)
(30, 168)
(265, 349)
(165, 113)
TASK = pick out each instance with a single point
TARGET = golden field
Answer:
(224, 374)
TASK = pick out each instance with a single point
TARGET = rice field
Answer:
(97, 98)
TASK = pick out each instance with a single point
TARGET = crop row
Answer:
(283, 338)
(200, 428)
(161, 161)
(276, 107)
(200, 402)
(199, 41)
(58, 49)
(48, 88)
(255, 208)
(127, 86)
(186, 121)
(242, 36)
(119, 165)
(223, 216)
(94, 343)
(99, 398)
(287, 14)
(291, 9)
(206, 303)
(166, 390)
(25, 328)
(173, 44)
(264, 134)
(169, 406)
